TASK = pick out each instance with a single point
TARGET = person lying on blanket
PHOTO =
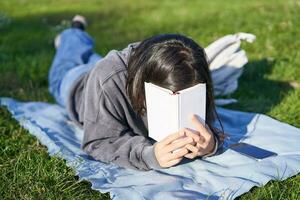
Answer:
(105, 96)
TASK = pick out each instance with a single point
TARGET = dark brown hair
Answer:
(172, 61)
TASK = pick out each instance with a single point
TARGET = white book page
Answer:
(192, 101)
(162, 112)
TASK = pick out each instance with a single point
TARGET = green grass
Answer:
(270, 83)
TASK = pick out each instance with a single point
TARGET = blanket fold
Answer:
(224, 176)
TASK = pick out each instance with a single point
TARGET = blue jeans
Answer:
(74, 57)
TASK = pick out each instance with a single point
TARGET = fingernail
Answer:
(193, 117)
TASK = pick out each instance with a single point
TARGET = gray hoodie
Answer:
(112, 131)
(98, 103)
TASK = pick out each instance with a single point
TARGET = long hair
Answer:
(174, 62)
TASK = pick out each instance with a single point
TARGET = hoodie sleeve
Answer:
(108, 137)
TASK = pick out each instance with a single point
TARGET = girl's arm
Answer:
(107, 138)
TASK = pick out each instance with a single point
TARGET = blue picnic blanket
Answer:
(224, 176)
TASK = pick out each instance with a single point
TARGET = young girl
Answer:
(106, 97)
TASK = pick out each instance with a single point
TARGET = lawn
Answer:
(270, 83)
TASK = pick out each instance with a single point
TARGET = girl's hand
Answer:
(164, 149)
(206, 143)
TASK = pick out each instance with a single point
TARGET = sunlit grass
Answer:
(269, 84)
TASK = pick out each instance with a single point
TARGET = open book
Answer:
(168, 112)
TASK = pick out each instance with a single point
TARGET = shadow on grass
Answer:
(257, 93)
(27, 52)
